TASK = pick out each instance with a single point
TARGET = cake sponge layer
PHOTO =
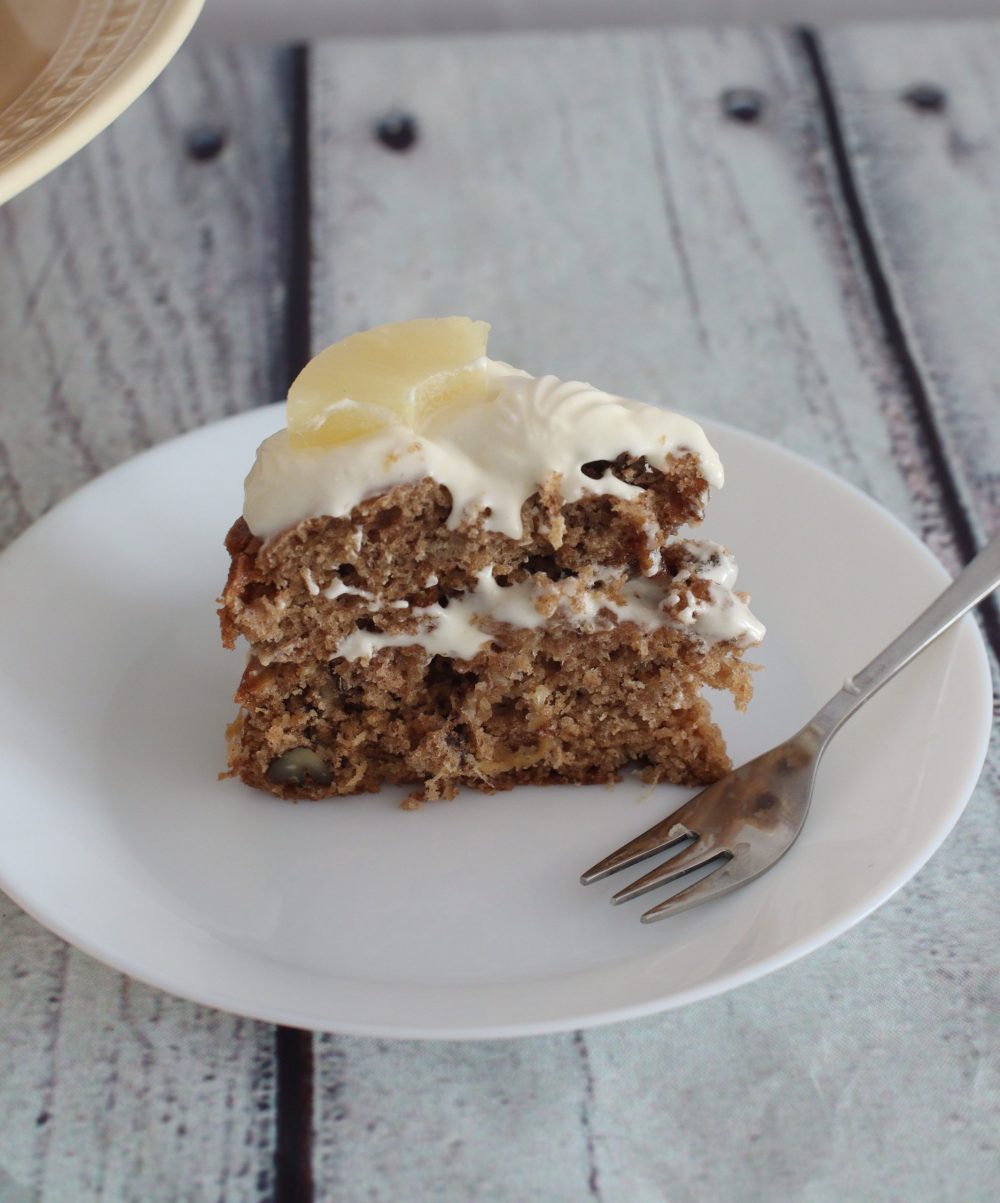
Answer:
(537, 706)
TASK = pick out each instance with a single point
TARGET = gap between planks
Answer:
(293, 1049)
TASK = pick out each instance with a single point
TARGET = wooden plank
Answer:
(412, 1120)
(826, 1081)
(586, 194)
(141, 294)
(133, 1095)
(927, 172)
(141, 287)
(929, 181)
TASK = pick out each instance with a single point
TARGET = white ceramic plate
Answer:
(68, 68)
(462, 919)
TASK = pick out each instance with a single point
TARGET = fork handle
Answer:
(978, 579)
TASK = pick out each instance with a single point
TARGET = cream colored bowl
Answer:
(69, 67)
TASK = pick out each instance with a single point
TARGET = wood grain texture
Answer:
(141, 294)
(111, 1090)
(419, 1120)
(586, 195)
(141, 288)
(930, 185)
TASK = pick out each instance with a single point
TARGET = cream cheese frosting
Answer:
(491, 456)
(457, 630)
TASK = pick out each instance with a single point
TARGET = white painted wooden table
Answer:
(827, 275)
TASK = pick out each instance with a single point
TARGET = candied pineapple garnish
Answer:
(405, 373)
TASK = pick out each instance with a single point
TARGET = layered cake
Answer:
(452, 573)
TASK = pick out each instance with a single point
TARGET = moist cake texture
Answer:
(490, 592)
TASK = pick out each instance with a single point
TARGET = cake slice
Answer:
(451, 573)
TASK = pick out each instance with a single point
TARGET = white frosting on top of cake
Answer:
(491, 456)
(606, 597)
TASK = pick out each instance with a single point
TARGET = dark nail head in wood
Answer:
(743, 104)
(397, 131)
(927, 97)
(204, 142)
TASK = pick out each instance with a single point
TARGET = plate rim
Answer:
(823, 934)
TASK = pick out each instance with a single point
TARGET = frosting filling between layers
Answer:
(597, 602)
(491, 457)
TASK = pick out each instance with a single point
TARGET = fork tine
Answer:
(684, 862)
(714, 885)
(661, 836)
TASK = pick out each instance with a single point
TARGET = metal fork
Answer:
(745, 823)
